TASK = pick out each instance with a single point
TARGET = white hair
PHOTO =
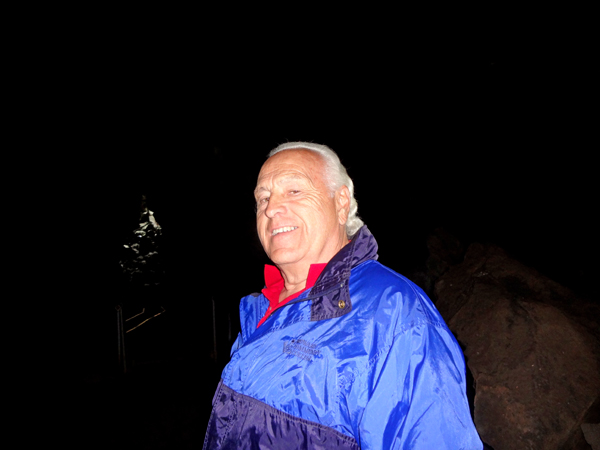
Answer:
(336, 176)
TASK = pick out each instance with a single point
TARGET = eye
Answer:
(261, 202)
(294, 192)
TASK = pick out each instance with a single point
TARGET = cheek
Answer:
(260, 228)
(320, 208)
(264, 242)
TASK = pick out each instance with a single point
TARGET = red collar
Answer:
(274, 285)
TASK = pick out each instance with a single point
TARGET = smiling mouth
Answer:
(282, 230)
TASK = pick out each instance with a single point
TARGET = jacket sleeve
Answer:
(417, 394)
(239, 341)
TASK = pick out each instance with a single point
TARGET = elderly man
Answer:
(338, 351)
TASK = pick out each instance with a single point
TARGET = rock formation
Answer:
(532, 346)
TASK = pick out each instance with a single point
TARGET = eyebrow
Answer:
(279, 181)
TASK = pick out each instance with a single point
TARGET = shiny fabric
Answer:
(275, 284)
(361, 360)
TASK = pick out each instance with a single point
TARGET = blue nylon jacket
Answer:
(361, 360)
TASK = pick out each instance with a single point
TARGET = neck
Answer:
(295, 275)
(294, 278)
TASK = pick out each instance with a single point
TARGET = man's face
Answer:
(298, 220)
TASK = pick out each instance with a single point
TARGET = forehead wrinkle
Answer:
(278, 180)
(282, 166)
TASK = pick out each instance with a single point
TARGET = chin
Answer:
(279, 258)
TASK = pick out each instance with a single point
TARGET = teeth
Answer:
(282, 230)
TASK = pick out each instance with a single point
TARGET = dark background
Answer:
(485, 131)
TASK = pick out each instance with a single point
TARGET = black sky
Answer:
(490, 136)
(491, 140)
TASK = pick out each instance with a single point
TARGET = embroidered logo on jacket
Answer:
(301, 348)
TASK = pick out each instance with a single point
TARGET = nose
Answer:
(274, 207)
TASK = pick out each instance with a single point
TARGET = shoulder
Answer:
(377, 289)
(252, 308)
(379, 278)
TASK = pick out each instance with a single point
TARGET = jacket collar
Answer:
(331, 292)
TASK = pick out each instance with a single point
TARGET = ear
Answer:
(342, 203)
